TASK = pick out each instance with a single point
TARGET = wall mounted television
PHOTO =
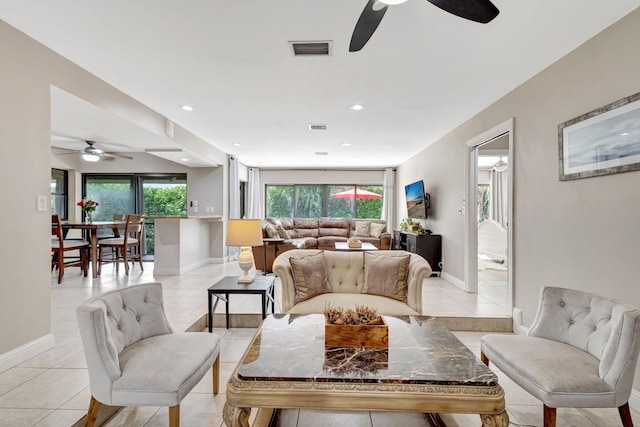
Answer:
(417, 200)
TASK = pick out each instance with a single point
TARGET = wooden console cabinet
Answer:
(428, 246)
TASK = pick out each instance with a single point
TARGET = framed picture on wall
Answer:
(601, 142)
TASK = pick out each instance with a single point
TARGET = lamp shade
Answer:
(244, 232)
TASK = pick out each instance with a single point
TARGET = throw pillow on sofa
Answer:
(362, 229)
(271, 231)
(386, 275)
(283, 233)
(309, 276)
(376, 229)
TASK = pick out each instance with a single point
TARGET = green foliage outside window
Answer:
(314, 201)
(170, 200)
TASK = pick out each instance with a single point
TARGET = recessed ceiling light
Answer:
(187, 107)
(357, 107)
(346, 144)
(236, 144)
(185, 160)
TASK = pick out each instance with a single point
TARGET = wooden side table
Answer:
(229, 285)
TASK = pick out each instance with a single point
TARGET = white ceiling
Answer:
(423, 72)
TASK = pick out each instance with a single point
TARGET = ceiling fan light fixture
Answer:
(90, 157)
(500, 166)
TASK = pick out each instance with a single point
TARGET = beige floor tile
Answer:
(232, 350)
(313, 418)
(61, 417)
(49, 390)
(14, 377)
(80, 401)
(139, 416)
(392, 419)
(21, 417)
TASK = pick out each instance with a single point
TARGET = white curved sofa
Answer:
(346, 275)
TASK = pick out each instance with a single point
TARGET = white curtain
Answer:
(254, 202)
(388, 198)
(498, 193)
(234, 199)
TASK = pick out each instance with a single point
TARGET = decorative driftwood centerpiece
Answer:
(354, 243)
(362, 327)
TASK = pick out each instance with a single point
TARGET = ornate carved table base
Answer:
(496, 420)
(288, 366)
(235, 417)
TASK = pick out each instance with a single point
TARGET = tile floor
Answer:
(51, 389)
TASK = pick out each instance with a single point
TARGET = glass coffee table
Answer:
(425, 369)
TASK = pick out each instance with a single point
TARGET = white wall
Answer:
(27, 73)
(580, 234)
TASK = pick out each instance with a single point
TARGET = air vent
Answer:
(307, 48)
(321, 153)
(318, 127)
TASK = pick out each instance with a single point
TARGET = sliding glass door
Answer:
(147, 194)
(161, 196)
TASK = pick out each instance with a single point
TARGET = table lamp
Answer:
(244, 233)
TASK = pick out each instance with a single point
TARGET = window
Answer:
(59, 193)
(146, 194)
(314, 201)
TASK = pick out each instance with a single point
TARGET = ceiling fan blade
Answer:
(482, 11)
(113, 155)
(65, 151)
(366, 25)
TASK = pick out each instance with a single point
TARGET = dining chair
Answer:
(126, 247)
(60, 246)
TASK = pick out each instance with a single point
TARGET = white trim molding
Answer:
(25, 352)
(453, 280)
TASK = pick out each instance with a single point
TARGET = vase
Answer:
(89, 216)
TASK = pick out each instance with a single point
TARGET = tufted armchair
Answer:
(580, 352)
(133, 356)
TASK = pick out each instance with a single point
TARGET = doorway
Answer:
(488, 223)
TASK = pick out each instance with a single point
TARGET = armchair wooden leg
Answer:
(92, 414)
(174, 416)
(625, 415)
(484, 358)
(549, 416)
(215, 370)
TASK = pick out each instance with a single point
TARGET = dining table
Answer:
(92, 228)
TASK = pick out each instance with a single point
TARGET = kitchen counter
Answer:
(184, 243)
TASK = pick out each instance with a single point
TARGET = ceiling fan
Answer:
(482, 11)
(93, 154)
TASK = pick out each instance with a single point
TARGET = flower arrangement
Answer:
(88, 206)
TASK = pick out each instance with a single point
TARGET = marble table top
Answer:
(290, 348)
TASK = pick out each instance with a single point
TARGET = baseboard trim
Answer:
(518, 327)
(25, 352)
(453, 280)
